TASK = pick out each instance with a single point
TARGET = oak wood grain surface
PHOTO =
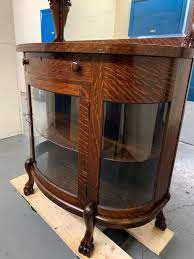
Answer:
(114, 78)
(148, 47)
(139, 79)
(147, 71)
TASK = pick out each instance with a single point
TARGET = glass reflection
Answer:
(56, 123)
(132, 140)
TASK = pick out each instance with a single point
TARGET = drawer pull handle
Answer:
(25, 61)
(75, 67)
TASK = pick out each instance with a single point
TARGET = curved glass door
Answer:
(132, 140)
(56, 128)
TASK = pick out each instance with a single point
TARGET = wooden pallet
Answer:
(71, 228)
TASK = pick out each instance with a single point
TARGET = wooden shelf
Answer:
(112, 150)
(118, 152)
(61, 133)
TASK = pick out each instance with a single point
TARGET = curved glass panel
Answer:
(56, 127)
(132, 140)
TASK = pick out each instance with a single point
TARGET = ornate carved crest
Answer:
(53, 2)
(189, 39)
(60, 10)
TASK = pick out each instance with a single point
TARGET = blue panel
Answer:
(191, 90)
(156, 17)
(191, 94)
(47, 26)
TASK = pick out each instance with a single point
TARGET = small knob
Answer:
(25, 61)
(75, 66)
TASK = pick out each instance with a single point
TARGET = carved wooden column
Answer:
(60, 10)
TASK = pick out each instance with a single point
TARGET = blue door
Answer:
(156, 17)
(47, 26)
(151, 18)
(191, 89)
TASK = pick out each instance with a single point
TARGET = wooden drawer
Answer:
(72, 68)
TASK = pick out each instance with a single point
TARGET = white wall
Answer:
(122, 17)
(91, 19)
(27, 20)
(9, 98)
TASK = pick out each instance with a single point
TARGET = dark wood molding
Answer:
(143, 47)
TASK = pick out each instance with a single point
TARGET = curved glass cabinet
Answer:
(131, 146)
(105, 118)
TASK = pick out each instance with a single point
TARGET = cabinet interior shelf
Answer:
(112, 150)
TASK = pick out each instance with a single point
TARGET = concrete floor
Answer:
(187, 132)
(24, 235)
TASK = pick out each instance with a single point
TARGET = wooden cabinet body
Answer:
(129, 100)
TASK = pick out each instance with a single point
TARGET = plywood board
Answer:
(69, 227)
(151, 237)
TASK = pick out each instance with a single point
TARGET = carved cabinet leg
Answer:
(86, 247)
(161, 221)
(28, 189)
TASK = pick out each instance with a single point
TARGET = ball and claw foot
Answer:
(86, 249)
(28, 190)
(161, 222)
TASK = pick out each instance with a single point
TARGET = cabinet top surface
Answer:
(143, 47)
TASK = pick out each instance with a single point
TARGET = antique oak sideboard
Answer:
(105, 119)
